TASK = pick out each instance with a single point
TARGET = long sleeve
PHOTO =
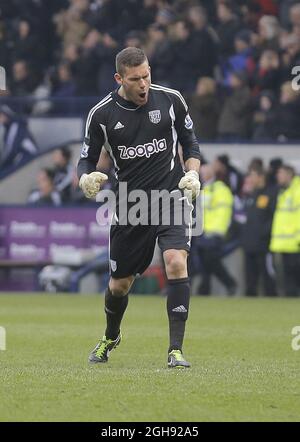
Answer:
(92, 146)
(185, 131)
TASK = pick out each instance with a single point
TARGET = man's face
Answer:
(58, 158)
(283, 177)
(45, 185)
(255, 179)
(219, 167)
(135, 83)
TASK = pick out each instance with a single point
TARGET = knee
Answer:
(176, 264)
(120, 287)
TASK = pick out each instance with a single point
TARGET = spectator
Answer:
(228, 27)
(275, 164)
(147, 13)
(27, 46)
(288, 120)
(184, 51)
(284, 13)
(218, 202)
(227, 173)
(165, 16)
(242, 60)
(70, 23)
(255, 164)
(206, 41)
(268, 73)
(235, 118)
(268, 33)
(264, 118)
(290, 46)
(256, 232)
(159, 54)
(285, 237)
(45, 195)
(24, 80)
(63, 173)
(18, 143)
(205, 109)
(294, 15)
(106, 52)
(88, 65)
(64, 88)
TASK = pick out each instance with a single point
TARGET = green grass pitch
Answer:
(243, 365)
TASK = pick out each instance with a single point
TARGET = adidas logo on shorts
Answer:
(180, 309)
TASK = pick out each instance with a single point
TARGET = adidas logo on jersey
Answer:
(119, 125)
(180, 309)
(143, 150)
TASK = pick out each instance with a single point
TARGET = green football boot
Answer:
(102, 350)
(176, 360)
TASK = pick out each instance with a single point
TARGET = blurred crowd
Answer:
(233, 60)
(259, 213)
(57, 184)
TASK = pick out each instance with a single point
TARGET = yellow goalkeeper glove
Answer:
(91, 183)
(191, 183)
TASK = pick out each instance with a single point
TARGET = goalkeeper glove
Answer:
(91, 183)
(191, 183)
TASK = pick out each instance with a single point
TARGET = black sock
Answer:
(115, 307)
(178, 291)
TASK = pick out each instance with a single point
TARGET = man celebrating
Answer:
(140, 125)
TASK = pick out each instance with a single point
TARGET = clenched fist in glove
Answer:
(91, 183)
(191, 183)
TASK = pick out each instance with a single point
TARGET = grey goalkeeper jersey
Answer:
(142, 141)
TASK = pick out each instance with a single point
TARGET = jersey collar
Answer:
(125, 104)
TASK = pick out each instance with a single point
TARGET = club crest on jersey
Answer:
(155, 116)
(113, 265)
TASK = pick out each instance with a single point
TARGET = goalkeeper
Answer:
(140, 125)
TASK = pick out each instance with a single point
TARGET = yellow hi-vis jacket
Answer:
(218, 203)
(285, 236)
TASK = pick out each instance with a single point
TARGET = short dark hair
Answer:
(66, 153)
(259, 170)
(256, 164)
(49, 172)
(129, 57)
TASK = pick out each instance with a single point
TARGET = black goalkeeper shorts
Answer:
(132, 247)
